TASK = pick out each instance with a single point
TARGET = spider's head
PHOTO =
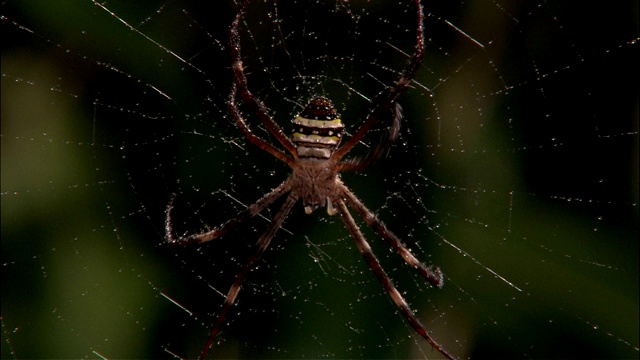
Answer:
(317, 130)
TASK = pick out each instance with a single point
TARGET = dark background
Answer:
(522, 154)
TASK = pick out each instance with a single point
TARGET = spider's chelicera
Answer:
(316, 160)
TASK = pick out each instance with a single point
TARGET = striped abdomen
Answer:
(317, 130)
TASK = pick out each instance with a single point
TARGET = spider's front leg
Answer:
(433, 275)
(374, 264)
(248, 213)
(262, 244)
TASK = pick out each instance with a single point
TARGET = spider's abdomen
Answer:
(317, 130)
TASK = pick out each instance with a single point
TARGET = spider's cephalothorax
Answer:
(315, 159)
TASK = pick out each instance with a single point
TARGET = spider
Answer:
(316, 161)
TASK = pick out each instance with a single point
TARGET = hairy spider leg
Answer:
(374, 264)
(247, 97)
(232, 107)
(383, 108)
(262, 244)
(248, 213)
(357, 164)
(434, 276)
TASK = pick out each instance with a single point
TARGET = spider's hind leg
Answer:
(359, 164)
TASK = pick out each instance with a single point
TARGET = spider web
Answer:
(516, 172)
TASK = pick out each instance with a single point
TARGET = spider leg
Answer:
(383, 146)
(240, 80)
(232, 107)
(249, 212)
(434, 276)
(374, 264)
(262, 244)
(384, 107)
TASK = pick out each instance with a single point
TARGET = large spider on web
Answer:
(316, 161)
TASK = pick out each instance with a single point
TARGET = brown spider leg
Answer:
(434, 276)
(232, 107)
(382, 276)
(249, 212)
(383, 108)
(262, 244)
(240, 80)
(385, 143)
